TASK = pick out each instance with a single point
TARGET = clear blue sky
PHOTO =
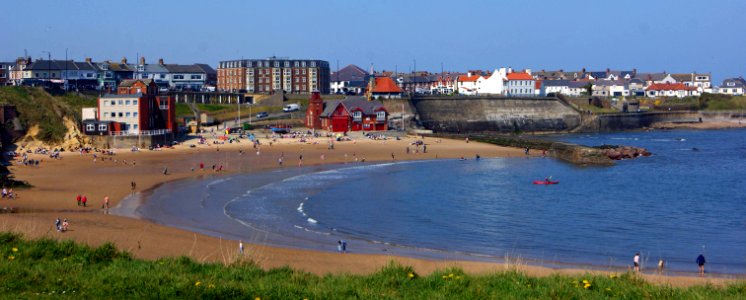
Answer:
(673, 36)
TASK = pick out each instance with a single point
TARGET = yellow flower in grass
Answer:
(410, 275)
(198, 283)
(257, 298)
(450, 275)
(211, 286)
(11, 257)
(15, 249)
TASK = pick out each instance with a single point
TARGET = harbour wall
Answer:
(496, 114)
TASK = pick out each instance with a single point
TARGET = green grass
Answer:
(44, 268)
(37, 107)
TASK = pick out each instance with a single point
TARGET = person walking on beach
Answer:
(701, 263)
(65, 225)
(106, 202)
(661, 266)
(339, 245)
(165, 170)
(84, 200)
(636, 261)
(240, 247)
(58, 224)
(344, 246)
(78, 199)
(133, 184)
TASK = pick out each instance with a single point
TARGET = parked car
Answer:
(291, 107)
(261, 115)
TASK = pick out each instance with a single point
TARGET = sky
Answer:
(649, 35)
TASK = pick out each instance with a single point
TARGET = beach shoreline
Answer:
(57, 182)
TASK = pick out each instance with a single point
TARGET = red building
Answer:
(349, 115)
(135, 108)
(315, 109)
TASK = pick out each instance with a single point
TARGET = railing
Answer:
(140, 132)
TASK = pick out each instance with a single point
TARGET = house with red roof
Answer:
(445, 85)
(521, 84)
(383, 87)
(351, 114)
(467, 84)
(671, 90)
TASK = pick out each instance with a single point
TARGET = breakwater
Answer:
(572, 153)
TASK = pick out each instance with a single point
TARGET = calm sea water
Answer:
(686, 199)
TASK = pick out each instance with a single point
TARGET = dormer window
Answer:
(140, 68)
(357, 116)
(381, 115)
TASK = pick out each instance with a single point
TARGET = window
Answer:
(303, 64)
(127, 114)
(102, 127)
(178, 76)
(287, 64)
(297, 71)
(277, 64)
(120, 114)
(90, 127)
(134, 102)
(357, 116)
(134, 114)
(304, 71)
(121, 102)
(144, 75)
(134, 126)
(313, 64)
(163, 76)
(381, 115)
(296, 64)
(113, 114)
(127, 102)
(106, 103)
(198, 77)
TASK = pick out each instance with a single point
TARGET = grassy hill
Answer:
(37, 107)
(44, 268)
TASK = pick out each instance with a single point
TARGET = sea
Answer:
(686, 199)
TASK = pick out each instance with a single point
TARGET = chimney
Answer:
(124, 60)
(608, 71)
(142, 60)
(88, 60)
(160, 61)
(510, 70)
(528, 71)
(468, 74)
(583, 70)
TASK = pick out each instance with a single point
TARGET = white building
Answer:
(467, 84)
(520, 84)
(678, 90)
(733, 86)
(494, 84)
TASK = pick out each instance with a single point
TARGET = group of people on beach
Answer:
(61, 226)
(8, 193)
(662, 264)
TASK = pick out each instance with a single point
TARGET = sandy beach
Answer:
(56, 183)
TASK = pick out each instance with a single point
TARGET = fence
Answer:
(141, 132)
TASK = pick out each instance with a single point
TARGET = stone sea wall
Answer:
(496, 114)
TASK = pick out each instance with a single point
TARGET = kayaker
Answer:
(548, 179)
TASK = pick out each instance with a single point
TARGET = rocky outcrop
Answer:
(617, 152)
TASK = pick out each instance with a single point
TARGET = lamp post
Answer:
(49, 65)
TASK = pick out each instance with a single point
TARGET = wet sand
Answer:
(57, 183)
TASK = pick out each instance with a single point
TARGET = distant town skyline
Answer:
(672, 36)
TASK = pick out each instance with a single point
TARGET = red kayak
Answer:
(545, 182)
